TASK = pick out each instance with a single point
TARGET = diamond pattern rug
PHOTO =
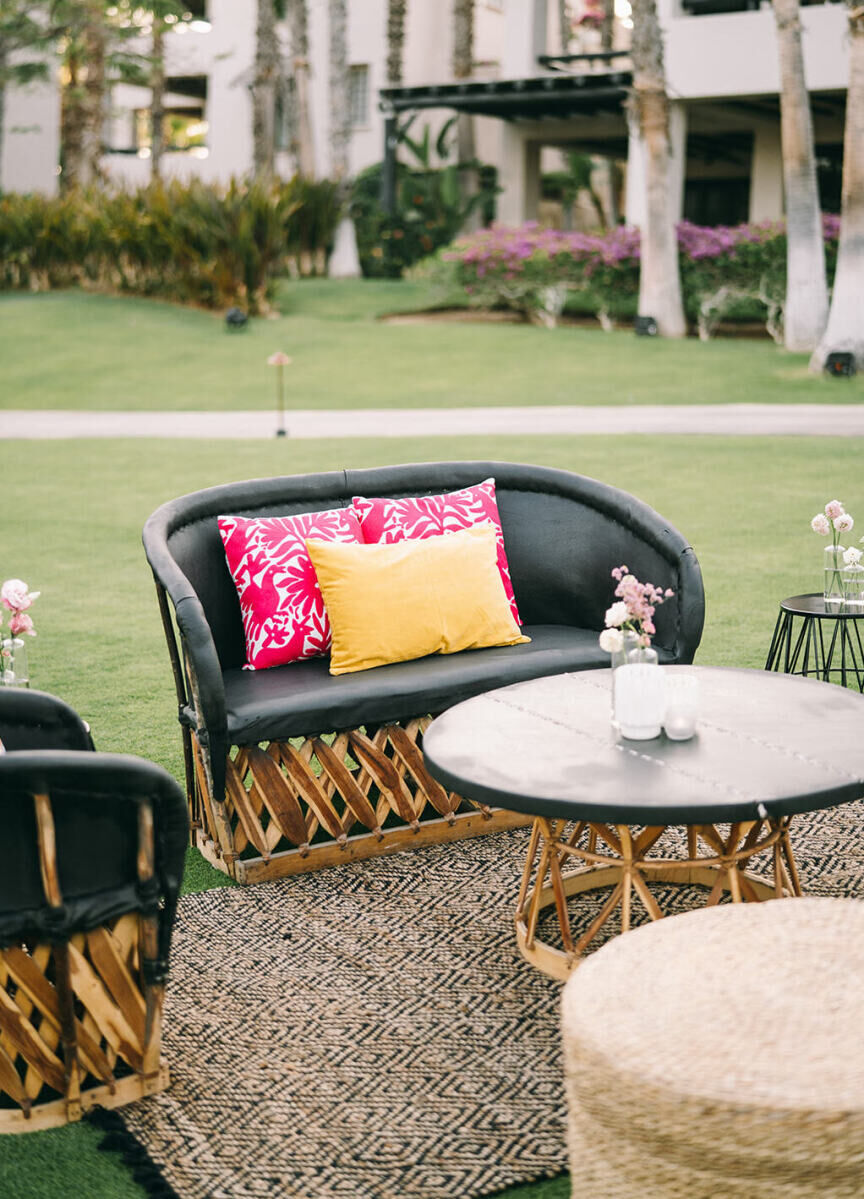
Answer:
(371, 1032)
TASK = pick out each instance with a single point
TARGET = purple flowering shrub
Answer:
(520, 268)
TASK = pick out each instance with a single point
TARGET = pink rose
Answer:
(21, 623)
(833, 509)
(843, 523)
(819, 524)
(15, 596)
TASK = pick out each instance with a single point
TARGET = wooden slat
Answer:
(10, 1082)
(26, 1041)
(33, 983)
(277, 795)
(117, 980)
(245, 812)
(307, 785)
(108, 1017)
(408, 751)
(356, 802)
(385, 775)
(47, 850)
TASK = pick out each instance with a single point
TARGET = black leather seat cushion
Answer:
(296, 700)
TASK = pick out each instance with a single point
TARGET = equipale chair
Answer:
(91, 858)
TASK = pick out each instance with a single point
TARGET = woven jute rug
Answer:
(371, 1032)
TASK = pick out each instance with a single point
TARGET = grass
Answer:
(72, 530)
(74, 510)
(78, 350)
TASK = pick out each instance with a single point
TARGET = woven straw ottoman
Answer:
(719, 1054)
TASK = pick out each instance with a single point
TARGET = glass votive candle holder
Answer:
(682, 706)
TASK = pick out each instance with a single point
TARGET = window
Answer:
(184, 126)
(358, 96)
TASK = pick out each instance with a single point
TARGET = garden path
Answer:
(726, 419)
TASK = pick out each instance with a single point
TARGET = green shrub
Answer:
(190, 242)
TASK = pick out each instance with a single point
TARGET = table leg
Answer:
(616, 858)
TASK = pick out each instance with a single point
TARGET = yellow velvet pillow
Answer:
(391, 603)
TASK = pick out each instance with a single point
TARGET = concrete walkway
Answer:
(837, 420)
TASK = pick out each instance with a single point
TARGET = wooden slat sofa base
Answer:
(295, 806)
(74, 1021)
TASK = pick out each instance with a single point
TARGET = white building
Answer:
(722, 74)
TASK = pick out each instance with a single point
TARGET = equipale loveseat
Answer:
(291, 768)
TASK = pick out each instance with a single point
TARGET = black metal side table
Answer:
(809, 648)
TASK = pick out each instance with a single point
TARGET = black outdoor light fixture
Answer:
(645, 326)
(235, 320)
(840, 364)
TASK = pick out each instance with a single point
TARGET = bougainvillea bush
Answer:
(533, 270)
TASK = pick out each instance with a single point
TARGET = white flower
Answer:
(819, 524)
(843, 523)
(612, 641)
(852, 556)
(616, 615)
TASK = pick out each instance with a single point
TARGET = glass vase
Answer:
(638, 695)
(832, 570)
(852, 580)
(13, 663)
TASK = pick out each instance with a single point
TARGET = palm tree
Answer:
(845, 328)
(82, 106)
(659, 276)
(396, 13)
(806, 308)
(265, 84)
(157, 96)
(344, 262)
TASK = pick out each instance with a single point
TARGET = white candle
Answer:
(682, 706)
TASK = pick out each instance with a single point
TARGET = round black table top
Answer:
(814, 605)
(766, 744)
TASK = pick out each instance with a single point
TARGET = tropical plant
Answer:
(845, 328)
(659, 278)
(806, 307)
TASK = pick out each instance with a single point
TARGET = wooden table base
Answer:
(616, 856)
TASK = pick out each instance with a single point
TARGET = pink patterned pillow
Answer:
(283, 613)
(424, 516)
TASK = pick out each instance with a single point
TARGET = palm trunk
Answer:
(299, 24)
(564, 26)
(610, 170)
(845, 328)
(157, 98)
(3, 67)
(395, 41)
(82, 105)
(463, 65)
(264, 87)
(659, 277)
(806, 307)
(340, 129)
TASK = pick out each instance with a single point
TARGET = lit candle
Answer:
(682, 706)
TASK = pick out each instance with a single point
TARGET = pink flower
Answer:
(21, 623)
(843, 523)
(819, 524)
(15, 596)
(833, 509)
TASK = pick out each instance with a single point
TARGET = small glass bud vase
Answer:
(639, 696)
(852, 579)
(13, 663)
(832, 587)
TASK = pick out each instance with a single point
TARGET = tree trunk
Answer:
(806, 307)
(299, 25)
(845, 328)
(3, 67)
(395, 41)
(659, 277)
(264, 87)
(157, 98)
(564, 25)
(340, 118)
(610, 170)
(466, 149)
(82, 103)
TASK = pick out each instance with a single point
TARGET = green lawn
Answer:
(78, 350)
(71, 529)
